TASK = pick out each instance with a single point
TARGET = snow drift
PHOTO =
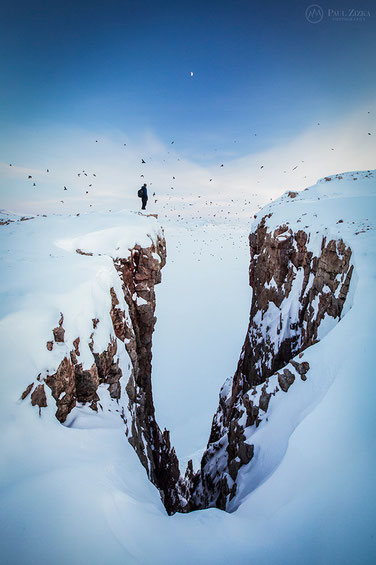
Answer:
(77, 316)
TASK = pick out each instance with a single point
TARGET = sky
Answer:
(75, 74)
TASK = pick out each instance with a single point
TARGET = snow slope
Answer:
(69, 492)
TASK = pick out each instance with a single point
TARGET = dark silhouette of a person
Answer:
(144, 196)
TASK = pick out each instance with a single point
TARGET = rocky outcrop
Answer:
(59, 331)
(38, 397)
(72, 383)
(280, 325)
(285, 380)
(62, 385)
(294, 290)
(139, 274)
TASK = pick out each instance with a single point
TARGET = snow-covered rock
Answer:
(78, 297)
(300, 274)
(87, 299)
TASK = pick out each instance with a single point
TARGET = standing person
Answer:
(143, 194)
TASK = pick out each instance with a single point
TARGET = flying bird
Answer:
(29, 177)
(222, 165)
(142, 161)
(65, 188)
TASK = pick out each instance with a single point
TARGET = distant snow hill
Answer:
(291, 451)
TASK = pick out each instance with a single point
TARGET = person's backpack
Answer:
(140, 193)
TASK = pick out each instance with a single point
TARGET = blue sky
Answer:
(120, 72)
(259, 67)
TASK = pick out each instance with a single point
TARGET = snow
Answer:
(78, 491)
(202, 315)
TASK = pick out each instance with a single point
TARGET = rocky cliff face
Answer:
(296, 290)
(71, 384)
(139, 274)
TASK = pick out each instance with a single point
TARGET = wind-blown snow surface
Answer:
(70, 494)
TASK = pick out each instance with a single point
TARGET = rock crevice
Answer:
(294, 290)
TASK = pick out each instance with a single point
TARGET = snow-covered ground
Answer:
(70, 494)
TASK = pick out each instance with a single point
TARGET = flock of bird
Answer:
(189, 211)
(144, 162)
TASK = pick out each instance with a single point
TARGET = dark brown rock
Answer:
(301, 368)
(38, 397)
(264, 399)
(63, 388)
(27, 391)
(285, 379)
(252, 411)
(80, 252)
(59, 333)
(118, 318)
(86, 383)
(76, 344)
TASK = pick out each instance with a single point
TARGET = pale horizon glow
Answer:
(321, 150)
